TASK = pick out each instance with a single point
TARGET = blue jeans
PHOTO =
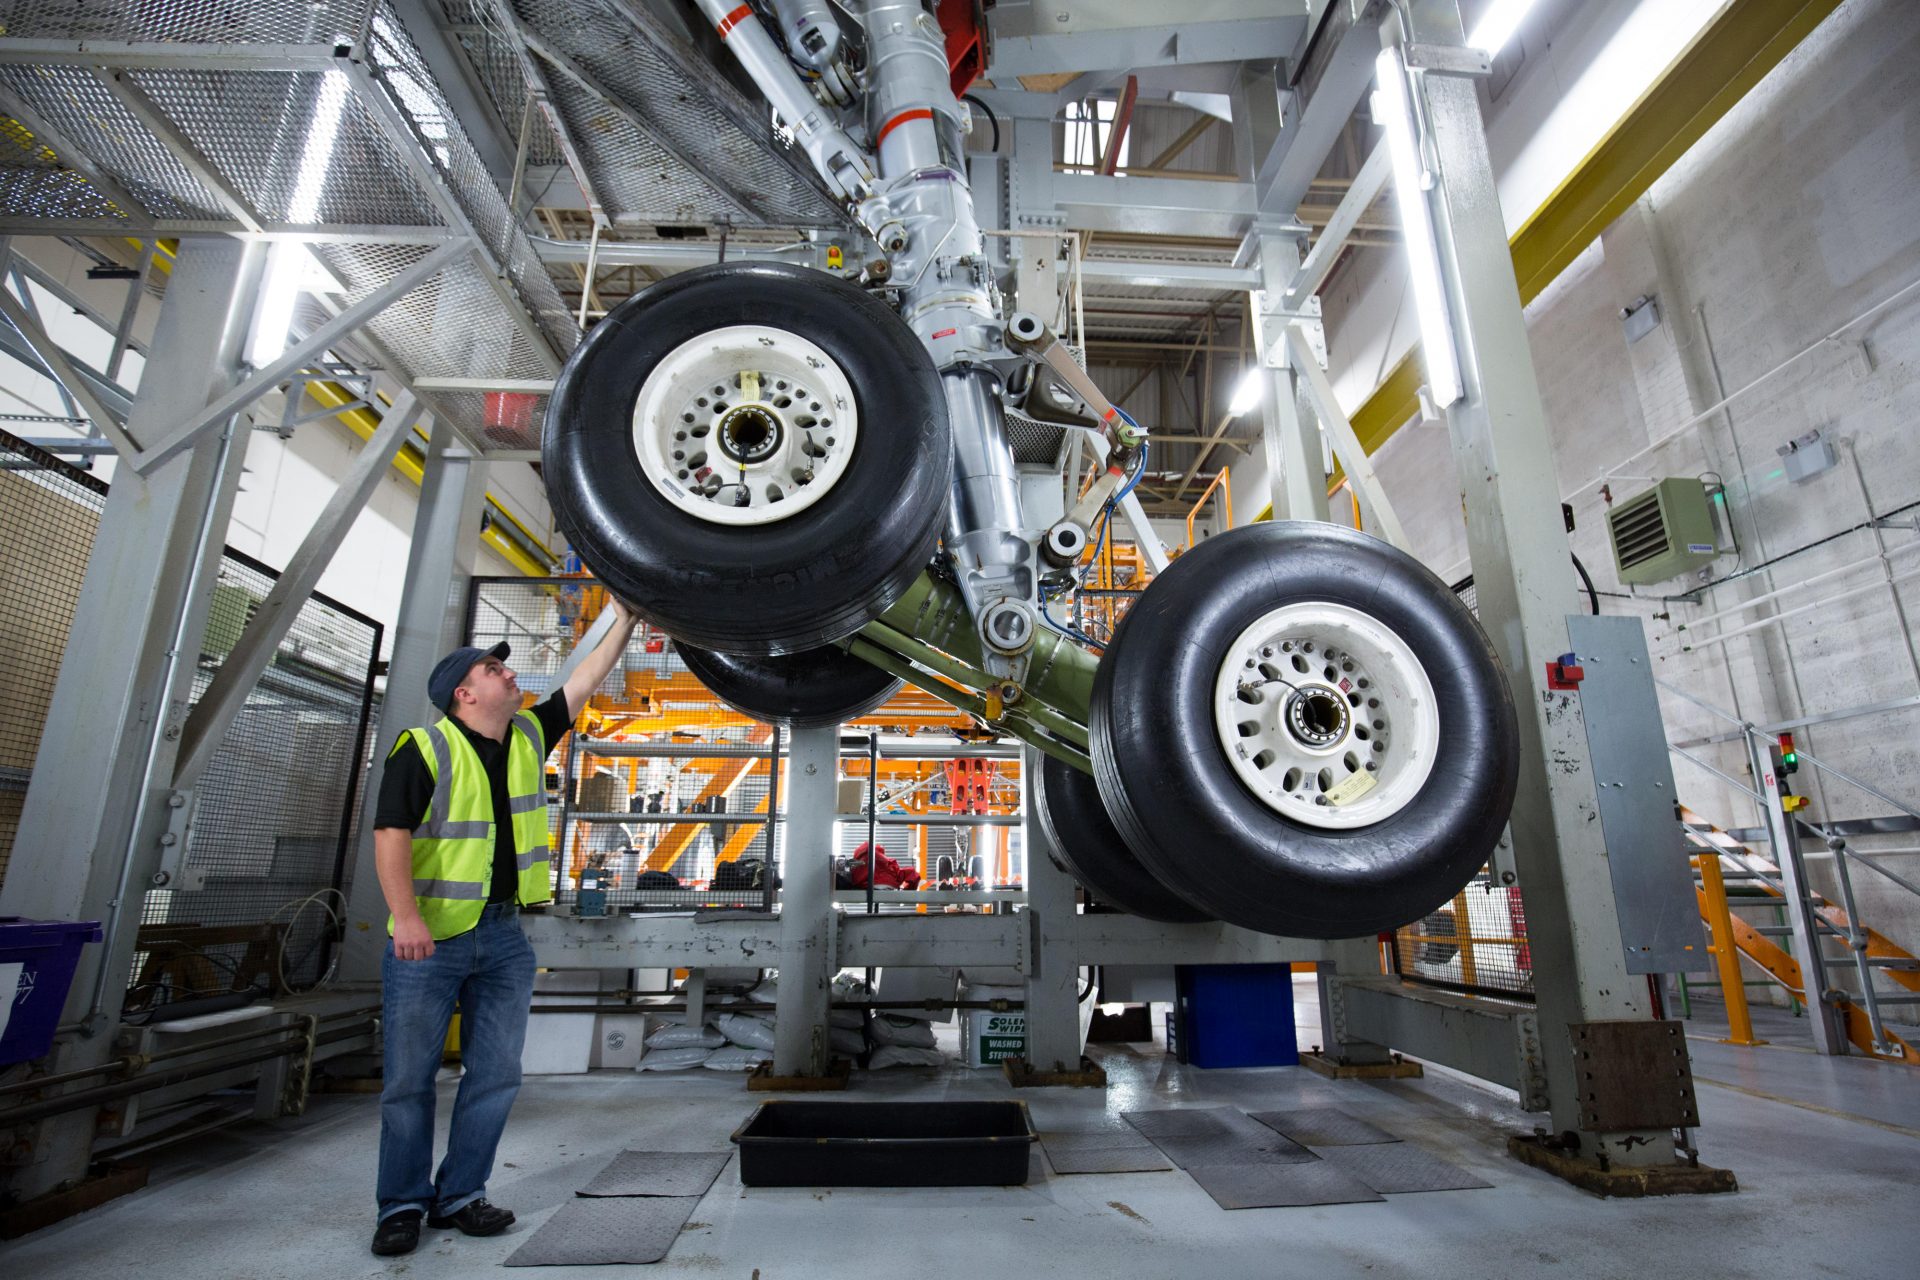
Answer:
(489, 971)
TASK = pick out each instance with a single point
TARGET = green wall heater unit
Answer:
(1662, 533)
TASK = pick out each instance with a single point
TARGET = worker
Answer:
(460, 844)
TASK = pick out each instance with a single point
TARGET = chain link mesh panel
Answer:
(177, 21)
(34, 184)
(272, 823)
(452, 326)
(73, 101)
(49, 514)
(498, 72)
(275, 812)
(264, 131)
(692, 123)
(402, 69)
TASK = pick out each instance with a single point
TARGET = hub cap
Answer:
(1326, 715)
(745, 425)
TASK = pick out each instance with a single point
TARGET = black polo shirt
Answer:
(406, 789)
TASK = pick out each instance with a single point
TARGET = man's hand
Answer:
(594, 667)
(411, 939)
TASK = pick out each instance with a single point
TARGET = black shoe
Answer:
(397, 1234)
(475, 1218)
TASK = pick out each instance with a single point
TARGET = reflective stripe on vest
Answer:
(453, 847)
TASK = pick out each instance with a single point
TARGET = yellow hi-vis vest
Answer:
(453, 846)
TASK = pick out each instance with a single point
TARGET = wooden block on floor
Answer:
(1398, 1069)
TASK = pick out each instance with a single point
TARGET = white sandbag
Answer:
(988, 976)
(848, 987)
(746, 1030)
(679, 1035)
(673, 1059)
(910, 1033)
(846, 1042)
(982, 991)
(735, 1058)
(900, 1055)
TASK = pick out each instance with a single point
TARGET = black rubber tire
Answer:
(803, 690)
(796, 584)
(1093, 851)
(1165, 777)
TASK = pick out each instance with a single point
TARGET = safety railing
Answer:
(1814, 920)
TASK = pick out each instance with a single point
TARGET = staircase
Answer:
(1871, 951)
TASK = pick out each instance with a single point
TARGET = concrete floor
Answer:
(1822, 1192)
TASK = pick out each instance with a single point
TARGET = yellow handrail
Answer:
(1226, 496)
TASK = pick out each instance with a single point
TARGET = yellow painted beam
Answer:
(1730, 55)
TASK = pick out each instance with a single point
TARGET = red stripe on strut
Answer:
(918, 113)
(734, 19)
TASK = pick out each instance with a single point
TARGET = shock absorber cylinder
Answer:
(948, 296)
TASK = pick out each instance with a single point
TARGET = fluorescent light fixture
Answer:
(1251, 389)
(291, 269)
(1497, 24)
(1392, 110)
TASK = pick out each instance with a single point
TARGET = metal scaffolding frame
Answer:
(170, 176)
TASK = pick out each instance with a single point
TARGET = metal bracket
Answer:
(1449, 60)
(1633, 1075)
(1271, 316)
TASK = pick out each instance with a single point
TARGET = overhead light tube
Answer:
(1393, 110)
(291, 267)
(1497, 25)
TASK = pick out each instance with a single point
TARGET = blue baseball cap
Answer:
(453, 668)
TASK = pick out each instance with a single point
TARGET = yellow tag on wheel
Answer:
(1356, 785)
(749, 385)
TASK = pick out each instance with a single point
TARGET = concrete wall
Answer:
(1790, 219)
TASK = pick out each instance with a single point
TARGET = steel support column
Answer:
(1296, 460)
(1518, 545)
(95, 814)
(432, 621)
(1053, 974)
(806, 905)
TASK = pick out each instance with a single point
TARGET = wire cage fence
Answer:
(660, 798)
(274, 815)
(665, 799)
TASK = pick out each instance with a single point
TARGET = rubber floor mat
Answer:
(598, 1230)
(657, 1173)
(1266, 1147)
(1280, 1186)
(1394, 1168)
(1323, 1127)
(1191, 1122)
(1104, 1151)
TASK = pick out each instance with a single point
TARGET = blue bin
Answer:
(49, 951)
(1235, 1015)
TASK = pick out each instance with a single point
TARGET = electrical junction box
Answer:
(1807, 456)
(1664, 532)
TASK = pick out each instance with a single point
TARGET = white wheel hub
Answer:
(745, 425)
(1326, 715)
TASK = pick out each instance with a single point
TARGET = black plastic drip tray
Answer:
(885, 1144)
